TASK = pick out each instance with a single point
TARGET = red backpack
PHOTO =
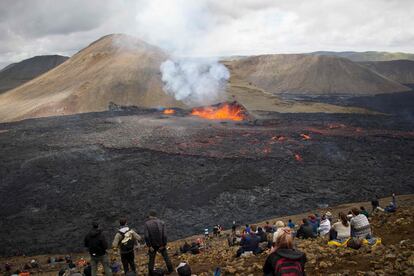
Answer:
(288, 267)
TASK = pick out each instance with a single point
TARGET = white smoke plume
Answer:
(195, 81)
(181, 28)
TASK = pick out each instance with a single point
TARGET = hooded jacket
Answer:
(305, 231)
(96, 243)
(292, 254)
(122, 232)
(154, 232)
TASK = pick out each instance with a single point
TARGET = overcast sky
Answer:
(207, 27)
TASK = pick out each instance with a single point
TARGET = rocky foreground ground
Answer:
(395, 256)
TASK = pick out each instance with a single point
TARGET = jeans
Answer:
(128, 261)
(104, 260)
(164, 253)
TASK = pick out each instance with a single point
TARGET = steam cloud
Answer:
(195, 81)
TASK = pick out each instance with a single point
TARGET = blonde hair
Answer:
(280, 223)
(284, 239)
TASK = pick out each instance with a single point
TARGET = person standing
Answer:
(156, 240)
(126, 239)
(97, 246)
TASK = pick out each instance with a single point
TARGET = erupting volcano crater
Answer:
(223, 111)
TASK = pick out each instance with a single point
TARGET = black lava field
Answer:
(59, 174)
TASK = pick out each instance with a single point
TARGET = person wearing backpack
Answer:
(156, 240)
(284, 259)
(97, 246)
(126, 239)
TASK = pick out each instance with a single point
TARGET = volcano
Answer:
(116, 68)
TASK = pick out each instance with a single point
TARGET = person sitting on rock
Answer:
(314, 222)
(195, 248)
(392, 207)
(268, 228)
(305, 230)
(340, 230)
(290, 224)
(284, 259)
(375, 203)
(363, 211)
(233, 227)
(185, 247)
(328, 215)
(183, 269)
(215, 230)
(325, 226)
(261, 234)
(360, 227)
(250, 242)
(279, 224)
(248, 229)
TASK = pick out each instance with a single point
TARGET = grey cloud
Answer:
(207, 27)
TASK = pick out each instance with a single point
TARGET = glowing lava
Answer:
(223, 111)
(305, 137)
(298, 157)
(279, 138)
(168, 111)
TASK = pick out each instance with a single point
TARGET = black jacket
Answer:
(154, 232)
(292, 254)
(96, 243)
(262, 235)
(305, 231)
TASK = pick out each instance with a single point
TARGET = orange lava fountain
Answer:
(224, 111)
(168, 111)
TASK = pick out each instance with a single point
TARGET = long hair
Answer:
(343, 219)
(284, 239)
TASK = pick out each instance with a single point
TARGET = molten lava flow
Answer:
(333, 126)
(279, 138)
(224, 111)
(305, 137)
(168, 111)
(298, 157)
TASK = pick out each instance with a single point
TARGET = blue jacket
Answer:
(250, 242)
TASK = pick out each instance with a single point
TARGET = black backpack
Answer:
(127, 242)
(288, 267)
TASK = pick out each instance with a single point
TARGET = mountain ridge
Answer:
(313, 74)
(16, 74)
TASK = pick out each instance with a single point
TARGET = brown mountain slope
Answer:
(16, 74)
(115, 68)
(398, 70)
(314, 75)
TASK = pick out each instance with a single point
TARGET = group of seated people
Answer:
(354, 225)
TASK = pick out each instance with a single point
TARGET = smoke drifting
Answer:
(195, 81)
(183, 28)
